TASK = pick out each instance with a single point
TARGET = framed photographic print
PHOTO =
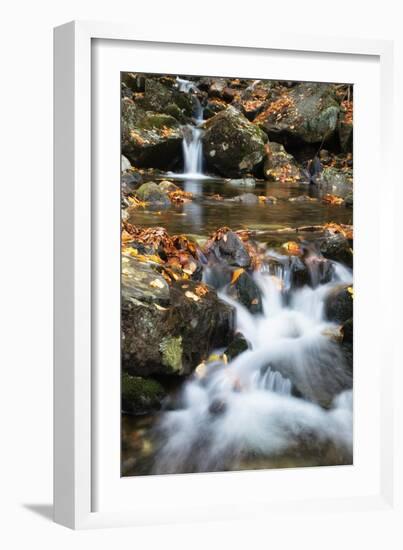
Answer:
(211, 325)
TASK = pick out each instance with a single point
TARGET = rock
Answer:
(238, 345)
(232, 145)
(245, 291)
(280, 166)
(217, 407)
(339, 304)
(336, 181)
(347, 330)
(230, 249)
(214, 106)
(150, 139)
(336, 246)
(160, 98)
(242, 182)
(130, 181)
(349, 200)
(300, 275)
(168, 186)
(152, 193)
(247, 198)
(141, 395)
(174, 339)
(217, 87)
(305, 113)
(134, 81)
(141, 282)
(125, 164)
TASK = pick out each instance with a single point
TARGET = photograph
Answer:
(236, 273)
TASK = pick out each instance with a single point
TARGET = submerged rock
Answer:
(247, 198)
(141, 395)
(232, 145)
(242, 182)
(175, 338)
(339, 305)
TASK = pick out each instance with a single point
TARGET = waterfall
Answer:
(249, 407)
(192, 145)
(192, 152)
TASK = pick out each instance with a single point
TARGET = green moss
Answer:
(140, 395)
(171, 350)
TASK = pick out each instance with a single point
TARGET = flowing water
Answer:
(250, 413)
(286, 401)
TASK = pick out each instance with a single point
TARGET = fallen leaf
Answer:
(236, 274)
(192, 296)
(157, 283)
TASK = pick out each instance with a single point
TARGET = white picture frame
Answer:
(79, 425)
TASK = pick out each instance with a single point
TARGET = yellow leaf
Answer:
(157, 283)
(351, 291)
(236, 274)
(192, 296)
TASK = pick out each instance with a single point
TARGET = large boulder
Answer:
(150, 139)
(232, 145)
(306, 113)
(169, 330)
(339, 304)
(280, 166)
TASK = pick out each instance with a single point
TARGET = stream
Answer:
(246, 413)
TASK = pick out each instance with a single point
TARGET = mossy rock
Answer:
(141, 395)
(233, 146)
(152, 193)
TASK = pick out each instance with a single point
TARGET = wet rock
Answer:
(247, 198)
(300, 274)
(217, 407)
(238, 345)
(134, 81)
(141, 282)
(160, 98)
(349, 200)
(214, 106)
(172, 340)
(305, 113)
(231, 250)
(152, 193)
(217, 87)
(218, 275)
(339, 304)
(232, 145)
(336, 246)
(141, 395)
(150, 139)
(130, 181)
(280, 166)
(335, 181)
(245, 291)
(347, 331)
(242, 182)
(168, 186)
